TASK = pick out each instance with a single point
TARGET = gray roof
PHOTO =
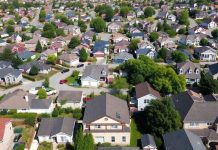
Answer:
(95, 71)
(148, 139)
(118, 148)
(25, 54)
(106, 105)
(182, 140)
(124, 56)
(213, 68)
(53, 126)
(6, 71)
(5, 64)
(186, 66)
(70, 96)
(144, 51)
(40, 103)
(39, 65)
(203, 49)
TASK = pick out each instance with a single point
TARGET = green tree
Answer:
(6, 55)
(30, 121)
(163, 53)
(182, 31)
(46, 83)
(153, 36)
(42, 94)
(49, 27)
(124, 11)
(171, 33)
(34, 70)
(204, 42)
(16, 61)
(83, 55)
(120, 83)
(49, 34)
(178, 56)
(11, 22)
(94, 37)
(74, 42)
(98, 24)
(33, 29)
(52, 59)
(42, 15)
(148, 12)
(82, 25)
(79, 140)
(10, 29)
(55, 112)
(184, 18)
(105, 10)
(207, 84)
(38, 47)
(60, 32)
(161, 117)
(133, 45)
(214, 33)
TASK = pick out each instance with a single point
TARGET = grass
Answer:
(40, 76)
(135, 134)
(45, 146)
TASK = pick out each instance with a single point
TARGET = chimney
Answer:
(26, 98)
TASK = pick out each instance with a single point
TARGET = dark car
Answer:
(80, 65)
(65, 70)
(17, 138)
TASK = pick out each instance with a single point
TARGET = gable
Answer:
(105, 120)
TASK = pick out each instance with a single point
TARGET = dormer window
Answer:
(180, 71)
(197, 71)
(190, 71)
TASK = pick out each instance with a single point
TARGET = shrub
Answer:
(30, 121)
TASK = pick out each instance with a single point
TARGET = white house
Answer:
(206, 53)
(58, 130)
(145, 94)
(69, 59)
(171, 17)
(10, 76)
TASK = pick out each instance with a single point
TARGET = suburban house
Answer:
(114, 26)
(26, 55)
(122, 57)
(105, 125)
(100, 49)
(94, 75)
(147, 52)
(43, 68)
(6, 133)
(31, 44)
(60, 130)
(213, 70)
(9, 76)
(206, 53)
(192, 71)
(145, 94)
(146, 44)
(69, 59)
(148, 142)
(5, 64)
(192, 39)
(182, 140)
(121, 46)
(73, 99)
(117, 37)
(24, 102)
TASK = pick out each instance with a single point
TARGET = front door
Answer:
(99, 139)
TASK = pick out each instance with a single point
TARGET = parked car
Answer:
(62, 81)
(65, 70)
(50, 91)
(80, 65)
(17, 138)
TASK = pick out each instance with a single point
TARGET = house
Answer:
(117, 37)
(172, 17)
(138, 35)
(130, 16)
(122, 57)
(205, 53)
(2, 43)
(147, 52)
(16, 38)
(114, 26)
(162, 15)
(3, 34)
(18, 47)
(196, 111)
(6, 133)
(43, 68)
(10, 76)
(58, 130)
(209, 24)
(192, 71)
(182, 140)
(26, 55)
(94, 75)
(117, 19)
(192, 39)
(213, 70)
(201, 15)
(145, 94)
(31, 44)
(44, 55)
(105, 125)
(100, 49)
(73, 99)
(5, 64)
(146, 44)
(148, 142)
(73, 30)
(24, 102)
(69, 59)
(121, 46)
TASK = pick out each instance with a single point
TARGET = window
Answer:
(123, 138)
(114, 126)
(190, 71)
(98, 126)
(181, 71)
(146, 101)
(105, 119)
(63, 139)
(209, 123)
(112, 139)
(193, 124)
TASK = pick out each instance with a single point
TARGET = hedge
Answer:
(20, 115)
(29, 77)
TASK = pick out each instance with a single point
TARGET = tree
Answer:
(33, 29)
(34, 70)
(184, 18)
(148, 12)
(49, 34)
(153, 36)
(46, 83)
(133, 45)
(214, 33)
(38, 47)
(74, 42)
(30, 121)
(161, 117)
(182, 31)
(42, 94)
(124, 11)
(16, 61)
(171, 33)
(10, 29)
(52, 59)
(94, 37)
(82, 25)
(207, 84)
(49, 27)
(78, 145)
(120, 83)
(6, 55)
(83, 55)
(98, 24)
(162, 53)
(105, 10)
(60, 32)
(55, 112)
(42, 15)
(178, 56)
(204, 42)
(88, 142)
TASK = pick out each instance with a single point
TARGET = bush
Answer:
(30, 121)
(42, 94)
(34, 70)
(55, 112)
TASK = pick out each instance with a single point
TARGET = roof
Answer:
(5, 64)
(148, 139)
(118, 148)
(68, 57)
(53, 126)
(144, 51)
(40, 103)
(100, 46)
(70, 96)
(213, 68)
(3, 122)
(106, 105)
(204, 49)
(25, 54)
(10, 71)
(124, 56)
(210, 134)
(145, 88)
(95, 71)
(186, 66)
(39, 65)
(182, 140)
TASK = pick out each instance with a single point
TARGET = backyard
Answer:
(135, 134)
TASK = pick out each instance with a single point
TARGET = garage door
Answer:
(99, 139)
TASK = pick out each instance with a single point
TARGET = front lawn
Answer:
(73, 78)
(135, 134)
(45, 146)
(39, 76)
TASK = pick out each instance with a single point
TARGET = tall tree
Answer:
(153, 36)
(74, 42)
(184, 17)
(207, 84)
(38, 47)
(134, 45)
(148, 12)
(98, 24)
(178, 56)
(83, 55)
(34, 70)
(79, 140)
(124, 11)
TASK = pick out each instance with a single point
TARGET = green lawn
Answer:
(135, 134)
(40, 76)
